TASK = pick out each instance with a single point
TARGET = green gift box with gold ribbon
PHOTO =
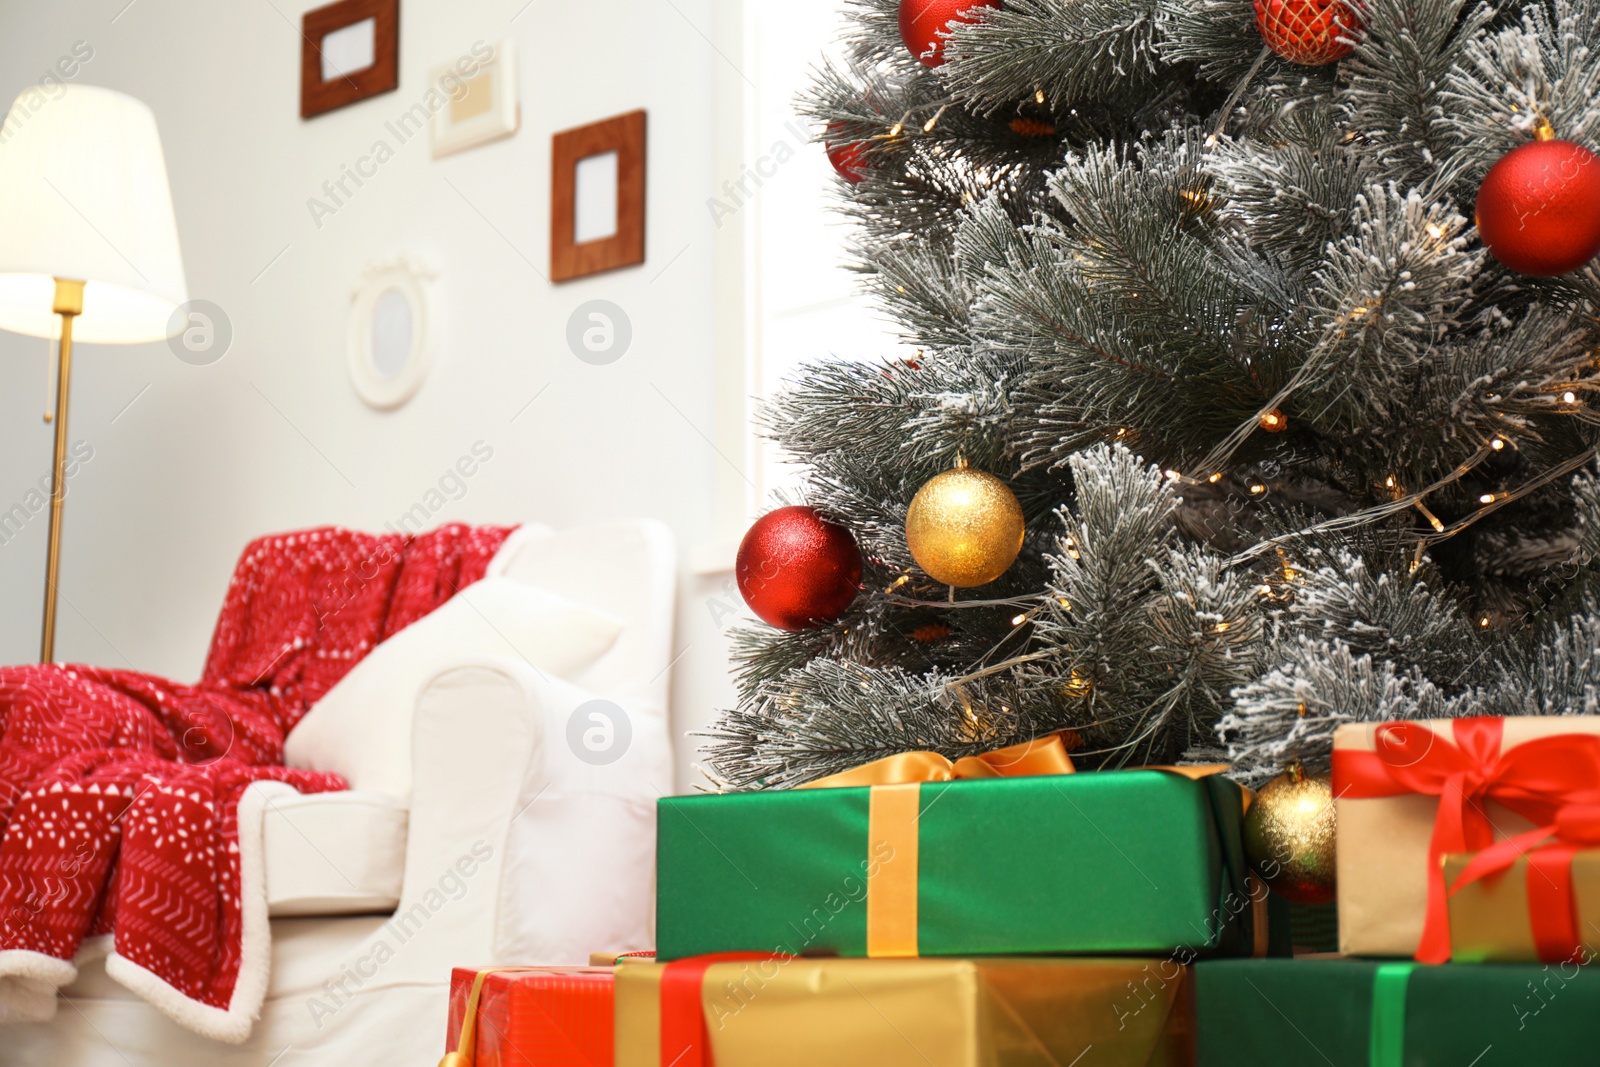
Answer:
(1370, 1013)
(1142, 862)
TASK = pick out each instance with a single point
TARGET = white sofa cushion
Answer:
(362, 728)
(333, 853)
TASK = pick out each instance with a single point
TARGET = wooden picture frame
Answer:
(624, 135)
(319, 94)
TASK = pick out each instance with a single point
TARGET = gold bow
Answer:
(1042, 755)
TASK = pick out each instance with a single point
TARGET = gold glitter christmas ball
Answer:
(1288, 836)
(964, 527)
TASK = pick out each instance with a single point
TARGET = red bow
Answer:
(1545, 780)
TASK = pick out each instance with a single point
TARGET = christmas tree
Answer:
(1277, 322)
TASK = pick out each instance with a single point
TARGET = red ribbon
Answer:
(685, 1041)
(1552, 904)
(1542, 780)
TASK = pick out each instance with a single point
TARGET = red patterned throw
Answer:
(131, 806)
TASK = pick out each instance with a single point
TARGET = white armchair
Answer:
(523, 833)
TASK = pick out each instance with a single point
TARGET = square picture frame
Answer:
(619, 144)
(481, 97)
(324, 86)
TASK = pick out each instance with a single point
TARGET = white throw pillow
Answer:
(362, 728)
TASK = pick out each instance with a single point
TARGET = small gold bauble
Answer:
(1288, 836)
(964, 527)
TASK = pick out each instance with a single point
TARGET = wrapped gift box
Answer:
(772, 1011)
(1492, 920)
(1385, 861)
(1366, 1013)
(1141, 862)
(551, 1016)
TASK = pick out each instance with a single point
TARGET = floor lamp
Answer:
(88, 245)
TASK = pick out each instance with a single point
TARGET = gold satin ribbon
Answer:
(894, 806)
(1195, 772)
(1042, 755)
(466, 1050)
(892, 888)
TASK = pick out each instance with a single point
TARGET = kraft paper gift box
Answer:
(1385, 843)
(1140, 862)
(770, 1011)
(1369, 1013)
(551, 1016)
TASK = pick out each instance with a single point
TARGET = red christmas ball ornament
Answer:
(922, 20)
(1307, 31)
(848, 157)
(797, 570)
(1539, 207)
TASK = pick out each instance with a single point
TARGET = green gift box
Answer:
(1141, 862)
(1369, 1013)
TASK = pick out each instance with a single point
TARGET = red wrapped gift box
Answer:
(551, 1016)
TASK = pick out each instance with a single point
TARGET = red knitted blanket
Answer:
(122, 796)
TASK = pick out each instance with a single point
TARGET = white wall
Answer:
(191, 462)
(808, 305)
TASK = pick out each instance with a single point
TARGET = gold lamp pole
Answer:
(69, 305)
(83, 199)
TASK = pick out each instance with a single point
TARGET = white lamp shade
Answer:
(83, 195)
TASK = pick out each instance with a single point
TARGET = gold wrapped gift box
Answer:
(1491, 920)
(932, 1012)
